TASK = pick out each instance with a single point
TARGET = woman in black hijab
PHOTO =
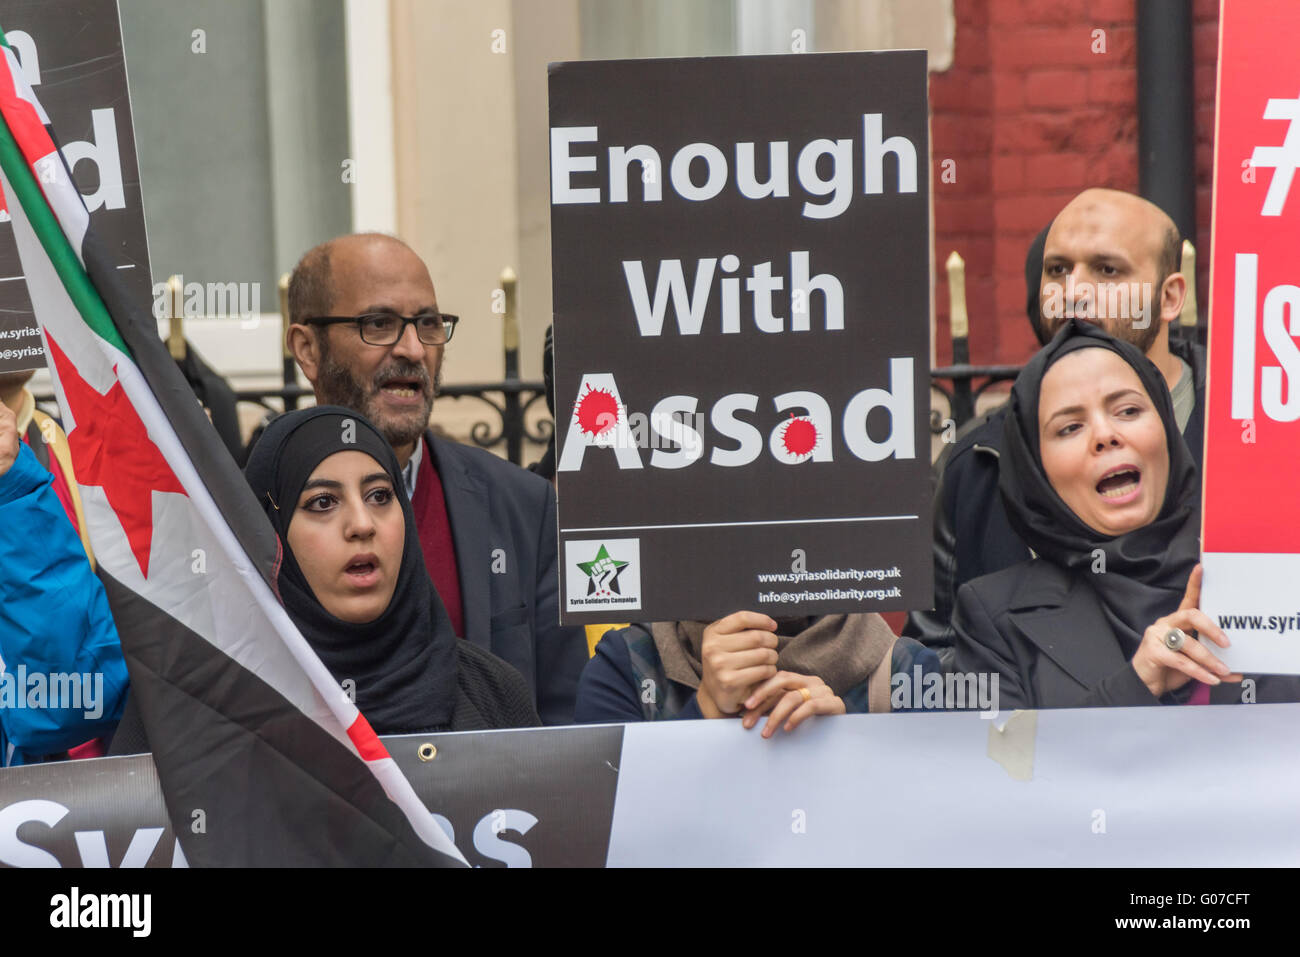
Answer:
(1098, 482)
(353, 580)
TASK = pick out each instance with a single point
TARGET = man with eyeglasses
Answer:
(366, 330)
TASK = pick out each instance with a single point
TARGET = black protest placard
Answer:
(70, 53)
(741, 266)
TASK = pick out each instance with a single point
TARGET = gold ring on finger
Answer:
(807, 695)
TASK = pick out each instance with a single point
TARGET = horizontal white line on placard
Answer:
(127, 266)
(787, 521)
(11, 278)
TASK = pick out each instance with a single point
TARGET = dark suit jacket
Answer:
(503, 518)
(1047, 637)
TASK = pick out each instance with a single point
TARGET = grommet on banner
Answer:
(427, 752)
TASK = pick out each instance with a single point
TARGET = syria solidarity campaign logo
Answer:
(604, 573)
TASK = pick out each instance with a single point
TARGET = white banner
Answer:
(1124, 787)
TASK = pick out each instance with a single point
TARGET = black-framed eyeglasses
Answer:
(386, 328)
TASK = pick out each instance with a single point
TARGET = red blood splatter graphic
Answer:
(800, 436)
(597, 411)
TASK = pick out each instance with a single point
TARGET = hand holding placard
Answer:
(737, 653)
(791, 698)
(1163, 669)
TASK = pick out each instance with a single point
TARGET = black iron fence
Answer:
(967, 384)
(508, 404)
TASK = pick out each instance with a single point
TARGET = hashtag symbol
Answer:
(1284, 160)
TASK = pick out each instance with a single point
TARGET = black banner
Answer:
(536, 798)
(741, 256)
(79, 76)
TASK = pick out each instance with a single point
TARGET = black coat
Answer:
(1045, 634)
(972, 534)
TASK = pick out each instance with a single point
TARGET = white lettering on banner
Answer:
(670, 283)
(897, 401)
(778, 175)
(93, 847)
(1284, 159)
(836, 190)
(690, 310)
(600, 419)
(666, 424)
(104, 153)
(874, 148)
(17, 853)
(489, 842)
(487, 835)
(749, 441)
(715, 164)
(620, 159)
(1279, 384)
(563, 165)
(24, 47)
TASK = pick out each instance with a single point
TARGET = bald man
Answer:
(1113, 258)
(366, 329)
(1110, 257)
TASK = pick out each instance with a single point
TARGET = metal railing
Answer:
(963, 393)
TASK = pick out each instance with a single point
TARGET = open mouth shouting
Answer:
(363, 570)
(1120, 485)
(403, 387)
(403, 390)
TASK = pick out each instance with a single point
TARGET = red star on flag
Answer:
(111, 449)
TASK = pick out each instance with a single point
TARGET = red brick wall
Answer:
(1031, 115)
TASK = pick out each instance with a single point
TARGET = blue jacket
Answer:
(62, 680)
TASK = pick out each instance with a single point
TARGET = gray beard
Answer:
(335, 385)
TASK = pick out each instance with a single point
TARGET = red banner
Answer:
(1252, 508)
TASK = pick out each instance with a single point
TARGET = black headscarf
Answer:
(1146, 570)
(1033, 281)
(404, 662)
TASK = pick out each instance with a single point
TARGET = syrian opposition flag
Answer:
(263, 759)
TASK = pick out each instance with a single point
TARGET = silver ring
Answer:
(1175, 640)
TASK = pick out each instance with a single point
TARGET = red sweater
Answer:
(434, 528)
